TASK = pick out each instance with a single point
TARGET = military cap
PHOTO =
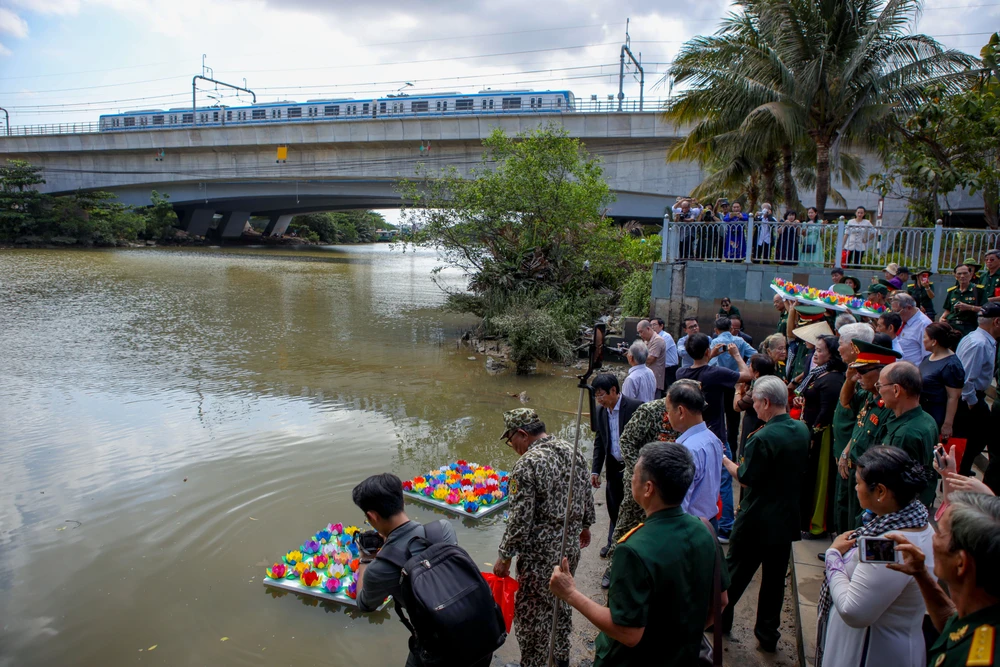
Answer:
(809, 314)
(971, 261)
(519, 418)
(878, 288)
(872, 357)
(924, 271)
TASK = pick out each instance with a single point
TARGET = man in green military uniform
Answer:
(872, 415)
(965, 558)
(779, 305)
(976, 269)
(922, 291)
(963, 302)
(909, 428)
(539, 490)
(990, 278)
(662, 578)
(878, 294)
(773, 464)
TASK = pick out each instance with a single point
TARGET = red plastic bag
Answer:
(503, 592)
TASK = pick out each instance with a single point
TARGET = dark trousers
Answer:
(992, 476)
(614, 491)
(973, 424)
(854, 257)
(413, 661)
(744, 559)
(732, 420)
(669, 377)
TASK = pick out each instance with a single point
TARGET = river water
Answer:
(172, 421)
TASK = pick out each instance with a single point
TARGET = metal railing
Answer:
(839, 244)
(581, 106)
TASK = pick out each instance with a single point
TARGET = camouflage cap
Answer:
(519, 418)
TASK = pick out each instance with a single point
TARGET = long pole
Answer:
(569, 505)
(8, 119)
(194, 92)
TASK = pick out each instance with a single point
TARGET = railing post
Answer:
(936, 248)
(747, 238)
(838, 258)
(666, 241)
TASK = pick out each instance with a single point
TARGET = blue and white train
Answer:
(441, 104)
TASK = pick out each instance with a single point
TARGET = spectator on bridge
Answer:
(943, 376)
(640, 384)
(889, 323)
(859, 233)
(737, 328)
(764, 222)
(690, 327)
(911, 331)
(657, 348)
(686, 209)
(735, 241)
(787, 244)
(812, 239)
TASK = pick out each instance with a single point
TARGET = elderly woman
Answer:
(943, 376)
(869, 614)
(775, 347)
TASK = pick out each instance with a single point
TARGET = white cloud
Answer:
(12, 24)
(50, 7)
(4, 51)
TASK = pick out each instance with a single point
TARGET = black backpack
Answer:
(453, 618)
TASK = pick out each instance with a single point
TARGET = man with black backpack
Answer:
(453, 619)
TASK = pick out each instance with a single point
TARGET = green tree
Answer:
(21, 205)
(160, 217)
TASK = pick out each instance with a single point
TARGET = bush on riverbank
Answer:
(527, 227)
(339, 226)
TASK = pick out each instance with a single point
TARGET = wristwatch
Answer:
(365, 561)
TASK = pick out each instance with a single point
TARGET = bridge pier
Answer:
(233, 223)
(278, 225)
(196, 221)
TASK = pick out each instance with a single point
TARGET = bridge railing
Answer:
(581, 106)
(838, 244)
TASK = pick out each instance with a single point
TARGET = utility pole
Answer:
(194, 93)
(621, 72)
(8, 119)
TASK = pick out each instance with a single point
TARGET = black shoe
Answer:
(766, 646)
(821, 556)
(604, 550)
(606, 581)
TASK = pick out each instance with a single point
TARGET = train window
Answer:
(129, 121)
(295, 112)
(463, 105)
(215, 116)
(511, 103)
(187, 118)
(558, 103)
(157, 120)
(241, 115)
(365, 108)
(487, 104)
(173, 119)
(442, 105)
(258, 114)
(331, 110)
(313, 111)
(142, 120)
(381, 107)
(115, 122)
(418, 107)
(275, 113)
(204, 117)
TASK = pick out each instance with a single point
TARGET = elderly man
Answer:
(779, 305)
(772, 468)
(966, 552)
(657, 351)
(911, 334)
(685, 408)
(878, 294)
(670, 358)
(991, 276)
(736, 324)
(963, 301)
(871, 414)
(662, 580)
(690, 327)
(978, 352)
(539, 491)
(640, 385)
(909, 428)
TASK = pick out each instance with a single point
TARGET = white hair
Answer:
(857, 331)
(639, 351)
(843, 320)
(772, 389)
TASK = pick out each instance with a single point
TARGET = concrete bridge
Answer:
(339, 165)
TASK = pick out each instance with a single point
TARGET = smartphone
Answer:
(939, 455)
(878, 550)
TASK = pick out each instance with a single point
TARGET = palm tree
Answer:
(830, 72)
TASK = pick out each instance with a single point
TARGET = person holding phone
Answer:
(869, 614)
(922, 291)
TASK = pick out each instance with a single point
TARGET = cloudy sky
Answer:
(64, 61)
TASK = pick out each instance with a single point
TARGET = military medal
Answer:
(958, 634)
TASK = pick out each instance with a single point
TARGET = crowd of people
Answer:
(830, 427)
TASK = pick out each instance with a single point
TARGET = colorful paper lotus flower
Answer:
(335, 528)
(330, 549)
(471, 507)
(300, 568)
(310, 547)
(310, 578)
(407, 485)
(341, 558)
(344, 539)
(453, 498)
(320, 562)
(277, 571)
(331, 585)
(354, 565)
(498, 495)
(293, 557)
(323, 536)
(352, 591)
(339, 571)
(350, 530)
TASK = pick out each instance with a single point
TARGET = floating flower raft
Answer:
(324, 566)
(812, 296)
(461, 487)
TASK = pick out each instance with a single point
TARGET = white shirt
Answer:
(977, 352)
(640, 383)
(875, 605)
(911, 339)
(616, 448)
(896, 346)
(670, 356)
(858, 235)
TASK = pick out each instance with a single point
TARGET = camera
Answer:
(369, 541)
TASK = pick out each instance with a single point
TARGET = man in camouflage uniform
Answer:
(649, 423)
(539, 491)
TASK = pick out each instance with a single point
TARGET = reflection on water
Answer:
(171, 421)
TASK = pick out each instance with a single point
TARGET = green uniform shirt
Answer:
(783, 324)
(869, 429)
(919, 294)
(798, 364)
(661, 580)
(733, 312)
(991, 284)
(968, 641)
(965, 321)
(773, 464)
(844, 420)
(916, 433)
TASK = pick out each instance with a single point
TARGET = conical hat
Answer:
(811, 333)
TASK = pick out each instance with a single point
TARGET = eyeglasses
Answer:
(879, 385)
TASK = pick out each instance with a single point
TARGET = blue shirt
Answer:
(640, 384)
(670, 356)
(726, 361)
(682, 352)
(706, 450)
(977, 352)
(616, 448)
